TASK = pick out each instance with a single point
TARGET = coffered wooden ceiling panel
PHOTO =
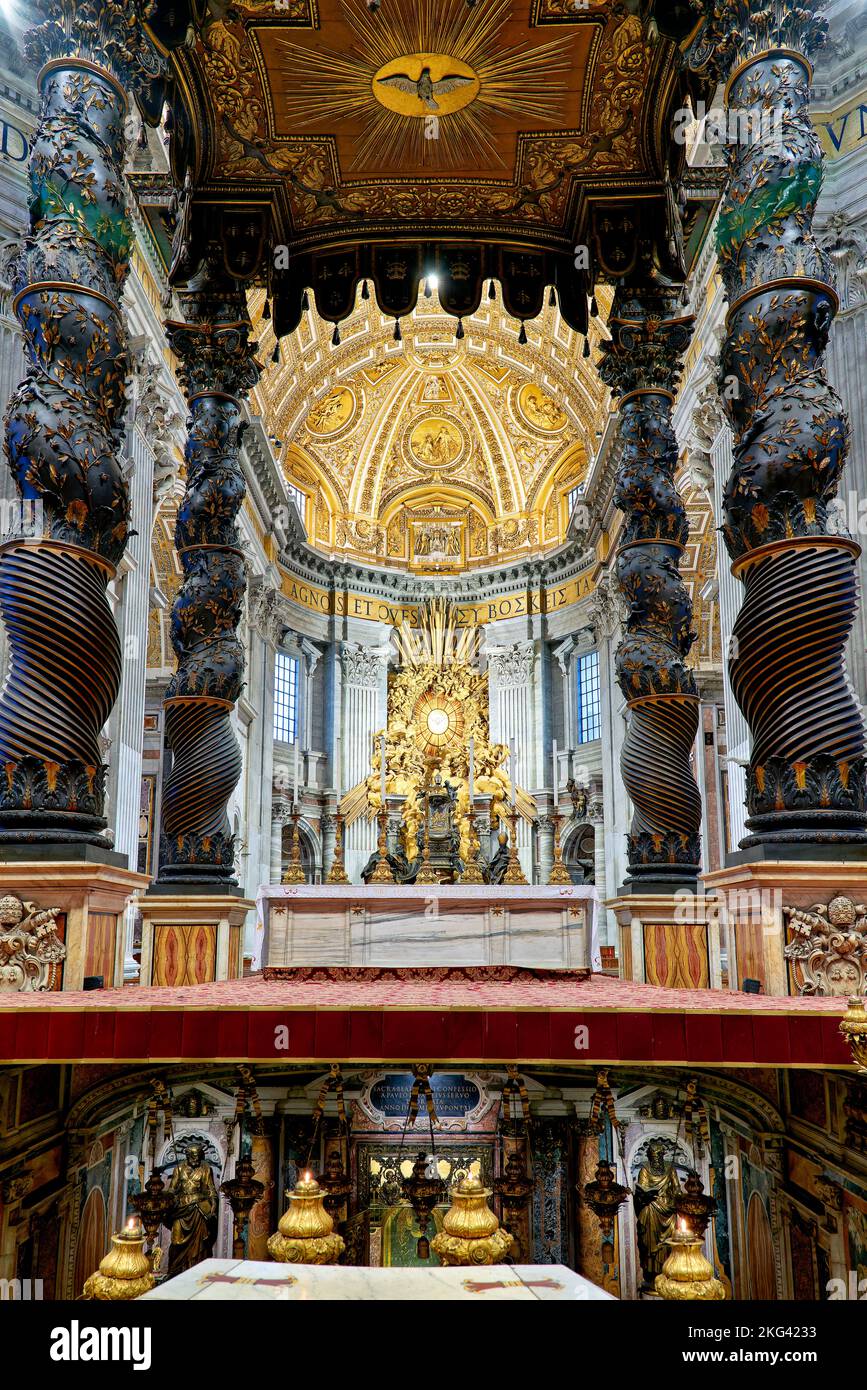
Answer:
(441, 115)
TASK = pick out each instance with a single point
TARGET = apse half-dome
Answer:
(432, 453)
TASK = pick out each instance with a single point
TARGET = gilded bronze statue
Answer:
(655, 1192)
(193, 1217)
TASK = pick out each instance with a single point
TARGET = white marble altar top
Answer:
(260, 1279)
(438, 924)
(458, 892)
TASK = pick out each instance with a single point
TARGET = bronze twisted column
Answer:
(641, 364)
(806, 778)
(63, 429)
(217, 369)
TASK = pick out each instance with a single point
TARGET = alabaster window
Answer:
(589, 703)
(286, 698)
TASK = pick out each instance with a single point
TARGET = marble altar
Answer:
(389, 925)
(253, 1280)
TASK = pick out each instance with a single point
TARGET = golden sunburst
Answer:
(438, 641)
(425, 81)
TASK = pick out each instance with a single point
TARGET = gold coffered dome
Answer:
(432, 453)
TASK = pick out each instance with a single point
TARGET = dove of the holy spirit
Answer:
(425, 88)
(422, 83)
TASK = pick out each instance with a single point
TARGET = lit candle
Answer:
(295, 775)
(382, 768)
(556, 782)
(472, 774)
(512, 766)
(338, 770)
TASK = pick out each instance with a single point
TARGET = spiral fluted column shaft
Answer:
(641, 364)
(217, 368)
(806, 779)
(63, 429)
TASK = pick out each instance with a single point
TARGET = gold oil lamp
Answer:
(423, 1193)
(126, 1272)
(242, 1191)
(471, 1233)
(152, 1205)
(604, 1196)
(853, 1026)
(305, 1234)
(694, 1204)
(687, 1274)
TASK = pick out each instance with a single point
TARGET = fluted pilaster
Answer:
(641, 364)
(63, 428)
(217, 369)
(806, 778)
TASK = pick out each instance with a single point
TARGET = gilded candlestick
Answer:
(472, 871)
(427, 874)
(337, 873)
(294, 872)
(382, 873)
(559, 873)
(514, 873)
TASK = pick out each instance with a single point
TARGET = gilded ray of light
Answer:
(438, 641)
(513, 82)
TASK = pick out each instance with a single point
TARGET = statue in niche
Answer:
(192, 1219)
(655, 1191)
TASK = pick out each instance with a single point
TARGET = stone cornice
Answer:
(301, 560)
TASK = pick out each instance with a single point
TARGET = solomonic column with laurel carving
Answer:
(217, 369)
(806, 778)
(641, 365)
(63, 428)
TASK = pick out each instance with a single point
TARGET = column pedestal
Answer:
(91, 898)
(668, 939)
(192, 939)
(752, 903)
